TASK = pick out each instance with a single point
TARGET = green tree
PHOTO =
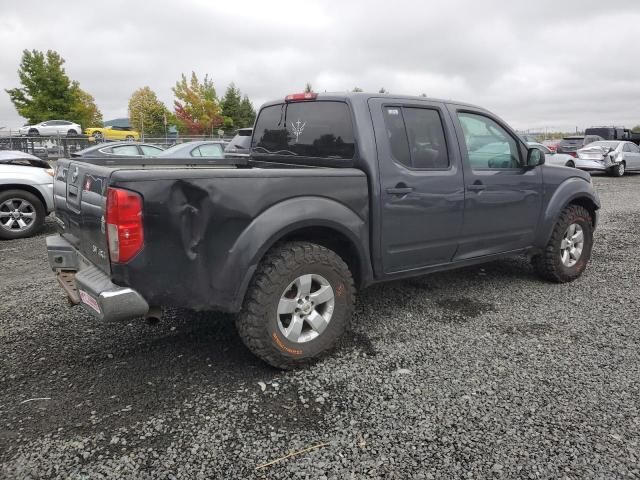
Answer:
(146, 113)
(247, 113)
(84, 110)
(230, 107)
(357, 89)
(48, 93)
(308, 88)
(197, 111)
(636, 129)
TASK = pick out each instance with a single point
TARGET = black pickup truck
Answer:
(340, 191)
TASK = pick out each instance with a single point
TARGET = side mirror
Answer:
(535, 157)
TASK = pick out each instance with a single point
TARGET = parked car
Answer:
(122, 149)
(113, 132)
(50, 128)
(26, 193)
(199, 149)
(286, 241)
(551, 158)
(241, 142)
(551, 144)
(571, 145)
(613, 157)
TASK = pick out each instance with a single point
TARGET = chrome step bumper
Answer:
(90, 287)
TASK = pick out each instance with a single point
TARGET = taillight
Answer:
(299, 97)
(125, 234)
(573, 154)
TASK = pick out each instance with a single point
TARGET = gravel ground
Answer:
(480, 373)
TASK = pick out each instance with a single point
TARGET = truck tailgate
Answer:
(80, 196)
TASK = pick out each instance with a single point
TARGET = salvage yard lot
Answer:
(480, 372)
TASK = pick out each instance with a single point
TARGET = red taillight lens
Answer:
(125, 233)
(299, 97)
(573, 154)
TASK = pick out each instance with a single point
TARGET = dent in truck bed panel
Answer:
(195, 254)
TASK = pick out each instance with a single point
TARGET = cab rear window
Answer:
(319, 129)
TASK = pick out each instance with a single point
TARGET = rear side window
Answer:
(416, 137)
(126, 150)
(211, 151)
(151, 151)
(318, 129)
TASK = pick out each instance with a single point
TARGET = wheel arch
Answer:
(317, 220)
(27, 188)
(570, 192)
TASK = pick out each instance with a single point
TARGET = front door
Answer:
(503, 197)
(631, 156)
(422, 189)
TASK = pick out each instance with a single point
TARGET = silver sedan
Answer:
(613, 157)
(552, 158)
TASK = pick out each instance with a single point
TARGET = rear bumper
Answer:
(600, 165)
(90, 287)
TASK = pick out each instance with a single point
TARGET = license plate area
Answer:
(90, 301)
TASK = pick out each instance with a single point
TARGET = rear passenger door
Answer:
(631, 156)
(503, 197)
(422, 190)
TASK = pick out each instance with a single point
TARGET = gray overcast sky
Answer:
(549, 63)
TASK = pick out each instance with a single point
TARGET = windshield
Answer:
(319, 129)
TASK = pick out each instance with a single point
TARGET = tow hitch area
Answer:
(68, 282)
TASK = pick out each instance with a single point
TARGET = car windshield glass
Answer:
(318, 129)
(241, 141)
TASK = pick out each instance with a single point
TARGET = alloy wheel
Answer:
(305, 308)
(571, 245)
(17, 215)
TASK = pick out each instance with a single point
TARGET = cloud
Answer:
(551, 64)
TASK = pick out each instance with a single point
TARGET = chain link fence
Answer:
(61, 146)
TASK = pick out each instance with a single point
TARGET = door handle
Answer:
(476, 187)
(399, 190)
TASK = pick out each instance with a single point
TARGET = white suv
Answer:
(52, 127)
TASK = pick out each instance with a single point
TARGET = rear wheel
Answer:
(569, 249)
(34, 132)
(129, 138)
(21, 214)
(298, 305)
(71, 133)
(98, 137)
(618, 170)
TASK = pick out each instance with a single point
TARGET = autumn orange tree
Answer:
(197, 111)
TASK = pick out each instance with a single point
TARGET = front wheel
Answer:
(21, 214)
(129, 138)
(568, 250)
(298, 305)
(618, 170)
(71, 133)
